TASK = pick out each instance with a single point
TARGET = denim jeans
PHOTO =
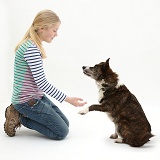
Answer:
(45, 117)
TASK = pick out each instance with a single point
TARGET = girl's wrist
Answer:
(67, 99)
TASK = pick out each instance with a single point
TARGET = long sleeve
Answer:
(33, 58)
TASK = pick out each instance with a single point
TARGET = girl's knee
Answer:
(61, 134)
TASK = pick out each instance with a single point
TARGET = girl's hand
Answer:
(75, 101)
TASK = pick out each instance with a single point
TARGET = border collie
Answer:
(121, 106)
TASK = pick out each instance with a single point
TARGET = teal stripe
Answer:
(20, 69)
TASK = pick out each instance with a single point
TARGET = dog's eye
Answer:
(95, 67)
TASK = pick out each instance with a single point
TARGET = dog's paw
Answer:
(119, 140)
(84, 111)
(114, 136)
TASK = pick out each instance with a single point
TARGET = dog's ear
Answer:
(107, 62)
(108, 69)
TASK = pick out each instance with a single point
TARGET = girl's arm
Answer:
(34, 60)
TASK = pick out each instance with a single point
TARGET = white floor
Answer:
(88, 139)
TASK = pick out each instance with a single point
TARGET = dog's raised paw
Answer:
(84, 111)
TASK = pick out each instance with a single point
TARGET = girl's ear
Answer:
(40, 30)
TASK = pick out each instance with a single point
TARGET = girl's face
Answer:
(47, 34)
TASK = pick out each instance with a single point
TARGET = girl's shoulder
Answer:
(31, 50)
(26, 48)
(28, 43)
(25, 45)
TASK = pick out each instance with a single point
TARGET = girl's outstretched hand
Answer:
(75, 101)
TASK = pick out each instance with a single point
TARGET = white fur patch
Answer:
(84, 111)
(110, 117)
(119, 84)
(119, 140)
(101, 91)
(114, 136)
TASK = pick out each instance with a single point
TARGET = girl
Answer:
(30, 107)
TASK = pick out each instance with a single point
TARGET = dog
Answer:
(121, 106)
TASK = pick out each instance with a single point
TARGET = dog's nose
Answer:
(83, 67)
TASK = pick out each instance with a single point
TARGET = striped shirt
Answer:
(29, 76)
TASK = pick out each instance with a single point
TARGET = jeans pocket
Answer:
(33, 102)
(37, 106)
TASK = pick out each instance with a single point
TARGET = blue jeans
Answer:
(45, 117)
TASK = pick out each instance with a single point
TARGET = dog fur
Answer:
(122, 107)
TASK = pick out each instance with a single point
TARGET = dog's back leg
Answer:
(119, 140)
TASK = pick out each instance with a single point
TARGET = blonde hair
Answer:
(44, 18)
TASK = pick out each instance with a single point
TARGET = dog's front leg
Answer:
(94, 107)
(115, 135)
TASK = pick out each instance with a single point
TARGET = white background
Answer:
(127, 31)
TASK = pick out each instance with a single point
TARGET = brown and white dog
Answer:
(122, 107)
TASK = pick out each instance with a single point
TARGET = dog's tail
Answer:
(139, 141)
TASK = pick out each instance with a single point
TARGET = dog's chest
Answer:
(101, 91)
(100, 95)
